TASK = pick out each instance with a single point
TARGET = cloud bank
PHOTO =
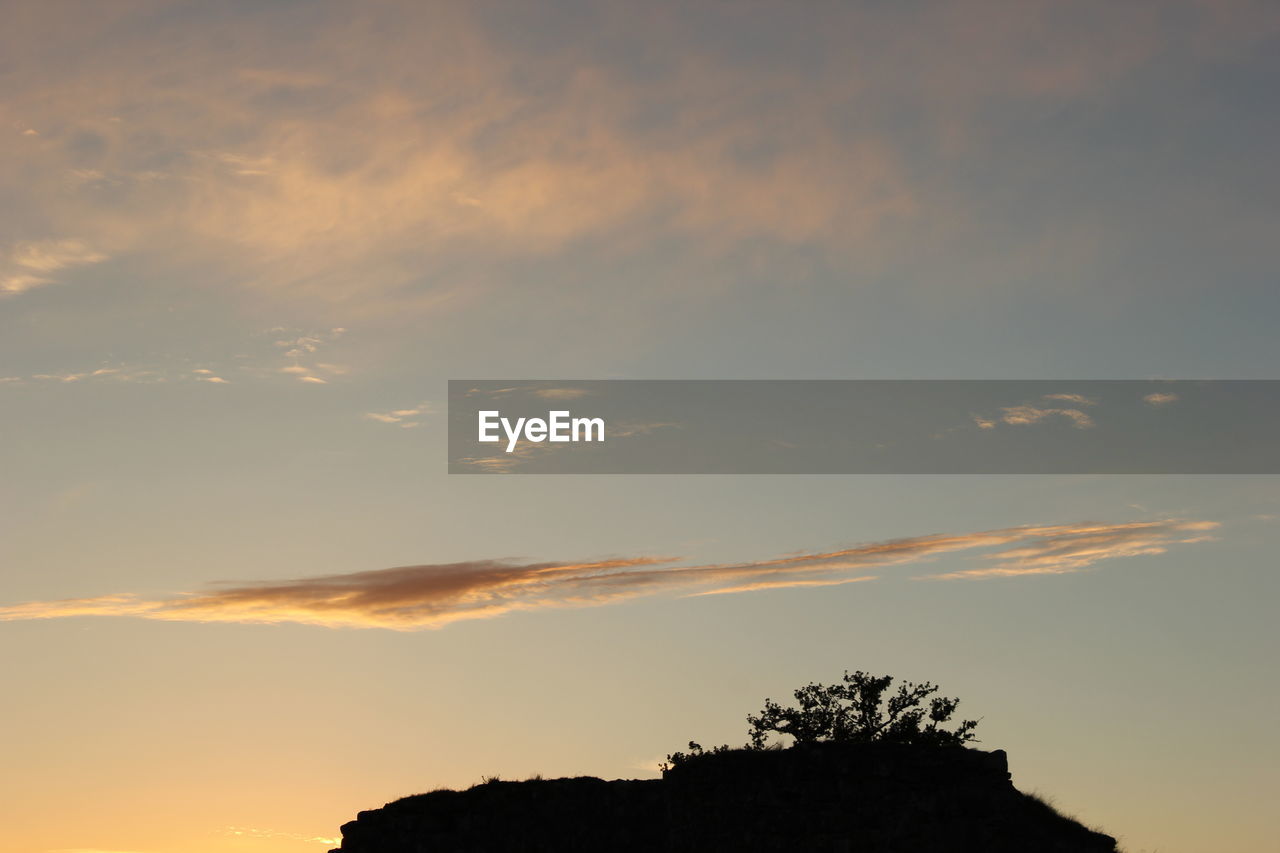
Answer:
(314, 145)
(433, 595)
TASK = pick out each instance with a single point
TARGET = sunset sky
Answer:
(244, 246)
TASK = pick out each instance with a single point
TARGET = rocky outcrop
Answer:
(827, 798)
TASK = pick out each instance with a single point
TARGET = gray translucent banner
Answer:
(864, 427)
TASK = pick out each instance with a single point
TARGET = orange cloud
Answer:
(1072, 550)
(1078, 399)
(34, 264)
(1030, 413)
(430, 596)
(1023, 415)
(300, 166)
(341, 166)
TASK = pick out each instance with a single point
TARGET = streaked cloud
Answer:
(1160, 398)
(433, 595)
(785, 584)
(561, 393)
(278, 354)
(160, 373)
(255, 832)
(1024, 415)
(34, 264)
(1073, 550)
(1034, 413)
(1078, 399)
(121, 373)
(495, 392)
(531, 390)
(403, 418)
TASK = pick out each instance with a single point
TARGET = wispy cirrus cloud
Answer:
(88, 850)
(403, 418)
(433, 595)
(561, 393)
(1035, 413)
(1078, 399)
(1079, 548)
(334, 175)
(36, 263)
(257, 832)
(532, 390)
(118, 373)
(292, 355)
(1024, 415)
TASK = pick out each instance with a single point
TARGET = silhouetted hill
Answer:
(825, 798)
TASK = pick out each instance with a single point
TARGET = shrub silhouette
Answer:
(856, 711)
(679, 757)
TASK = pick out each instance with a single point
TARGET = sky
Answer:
(245, 245)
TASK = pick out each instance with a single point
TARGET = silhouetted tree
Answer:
(857, 711)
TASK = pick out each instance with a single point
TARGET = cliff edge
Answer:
(824, 798)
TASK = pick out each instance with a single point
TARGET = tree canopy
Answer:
(860, 708)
